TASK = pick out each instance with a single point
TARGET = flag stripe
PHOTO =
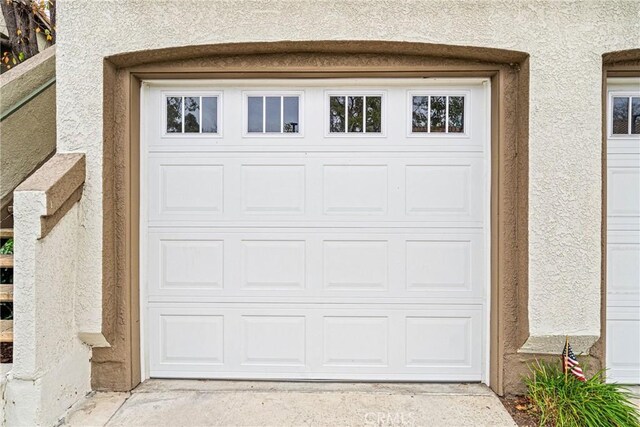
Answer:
(571, 363)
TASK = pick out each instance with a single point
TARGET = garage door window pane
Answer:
(174, 114)
(374, 113)
(355, 114)
(438, 113)
(291, 120)
(255, 114)
(456, 114)
(273, 113)
(192, 114)
(420, 114)
(210, 114)
(635, 115)
(336, 114)
(620, 115)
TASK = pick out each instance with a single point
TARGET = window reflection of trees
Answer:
(456, 114)
(374, 114)
(438, 113)
(336, 114)
(188, 119)
(420, 114)
(635, 115)
(429, 114)
(355, 114)
(192, 114)
(620, 115)
(174, 114)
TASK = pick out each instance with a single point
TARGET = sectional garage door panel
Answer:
(316, 264)
(389, 189)
(281, 241)
(391, 341)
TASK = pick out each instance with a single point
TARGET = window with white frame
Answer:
(436, 113)
(192, 114)
(625, 115)
(272, 114)
(355, 113)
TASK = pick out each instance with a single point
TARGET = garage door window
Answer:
(625, 115)
(437, 114)
(272, 114)
(192, 114)
(355, 114)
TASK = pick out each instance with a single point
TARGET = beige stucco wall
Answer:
(51, 368)
(28, 136)
(566, 41)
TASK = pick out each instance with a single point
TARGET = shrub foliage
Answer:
(564, 401)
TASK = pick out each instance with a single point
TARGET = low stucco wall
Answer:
(51, 368)
(28, 135)
(565, 40)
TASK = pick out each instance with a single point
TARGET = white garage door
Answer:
(316, 229)
(623, 231)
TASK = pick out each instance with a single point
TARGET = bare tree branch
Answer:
(31, 35)
(52, 20)
(9, 13)
(24, 19)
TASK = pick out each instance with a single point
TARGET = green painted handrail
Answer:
(26, 99)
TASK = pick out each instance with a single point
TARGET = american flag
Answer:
(570, 363)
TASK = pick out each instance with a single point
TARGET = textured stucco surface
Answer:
(24, 147)
(61, 176)
(27, 138)
(51, 367)
(19, 82)
(565, 40)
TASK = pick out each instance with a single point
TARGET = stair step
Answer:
(6, 233)
(6, 330)
(6, 261)
(6, 293)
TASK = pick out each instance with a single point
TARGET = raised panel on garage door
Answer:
(285, 245)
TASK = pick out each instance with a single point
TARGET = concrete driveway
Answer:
(243, 403)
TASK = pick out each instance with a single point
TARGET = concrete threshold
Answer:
(266, 403)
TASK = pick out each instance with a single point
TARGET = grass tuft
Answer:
(7, 248)
(571, 403)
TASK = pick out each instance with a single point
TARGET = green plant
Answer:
(564, 401)
(7, 248)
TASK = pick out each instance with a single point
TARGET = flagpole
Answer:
(565, 355)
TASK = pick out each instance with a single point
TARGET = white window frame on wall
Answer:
(621, 94)
(188, 94)
(446, 93)
(264, 95)
(364, 93)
